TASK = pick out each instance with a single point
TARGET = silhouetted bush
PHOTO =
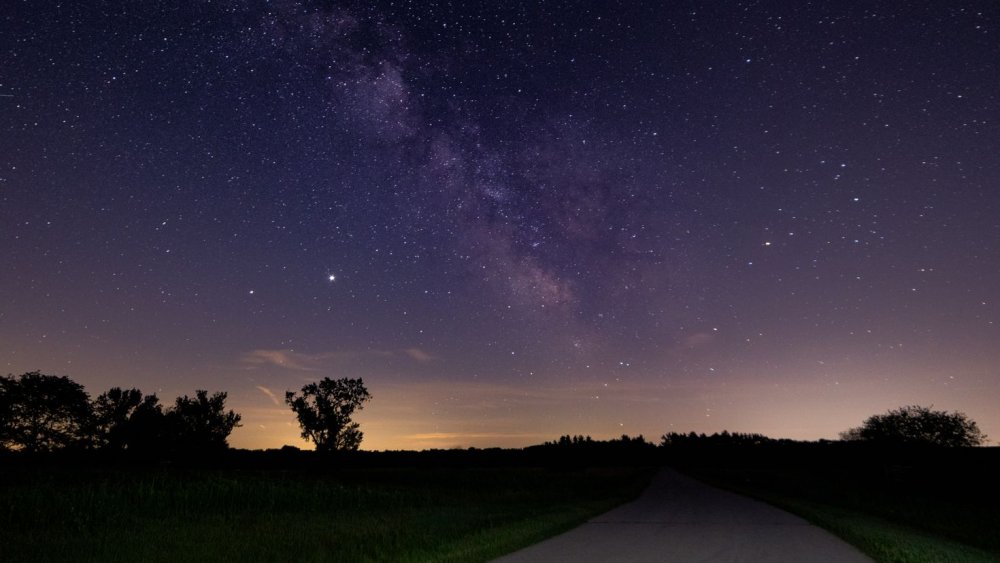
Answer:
(915, 425)
(127, 420)
(201, 423)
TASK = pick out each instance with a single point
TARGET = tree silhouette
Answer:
(918, 425)
(126, 420)
(324, 411)
(201, 423)
(41, 412)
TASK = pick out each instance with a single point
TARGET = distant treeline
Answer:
(724, 438)
(45, 413)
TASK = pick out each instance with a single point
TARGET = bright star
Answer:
(332, 277)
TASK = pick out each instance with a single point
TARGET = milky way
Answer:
(513, 222)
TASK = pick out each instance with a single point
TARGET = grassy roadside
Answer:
(354, 515)
(881, 539)
(894, 504)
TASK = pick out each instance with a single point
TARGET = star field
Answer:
(514, 222)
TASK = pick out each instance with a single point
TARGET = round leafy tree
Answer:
(918, 425)
(201, 422)
(324, 410)
(41, 412)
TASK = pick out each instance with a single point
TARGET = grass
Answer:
(881, 539)
(924, 507)
(351, 515)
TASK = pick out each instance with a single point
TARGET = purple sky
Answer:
(513, 223)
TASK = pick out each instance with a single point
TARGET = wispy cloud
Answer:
(270, 394)
(419, 355)
(300, 361)
(287, 359)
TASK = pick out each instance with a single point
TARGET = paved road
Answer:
(680, 519)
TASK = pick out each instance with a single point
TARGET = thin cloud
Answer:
(280, 358)
(418, 355)
(269, 393)
(299, 361)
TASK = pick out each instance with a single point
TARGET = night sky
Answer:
(513, 222)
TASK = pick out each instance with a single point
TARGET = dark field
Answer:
(904, 505)
(354, 514)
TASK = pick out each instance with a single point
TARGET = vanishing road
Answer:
(680, 519)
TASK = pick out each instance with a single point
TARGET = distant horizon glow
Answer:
(512, 222)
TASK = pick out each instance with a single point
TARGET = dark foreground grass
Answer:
(898, 507)
(352, 515)
(883, 540)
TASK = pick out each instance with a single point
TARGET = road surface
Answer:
(680, 519)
